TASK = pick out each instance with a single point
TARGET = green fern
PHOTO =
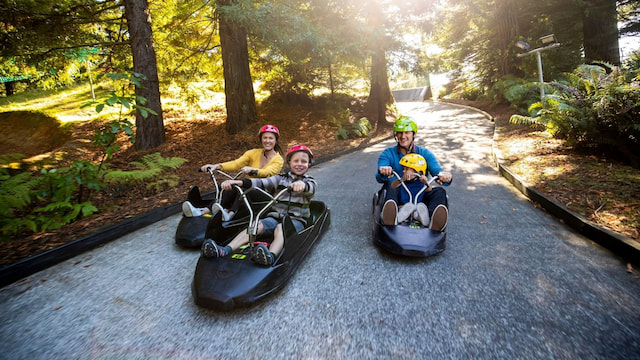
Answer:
(150, 167)
(346, 129)
(596, 107)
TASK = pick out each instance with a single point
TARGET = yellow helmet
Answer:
(416, 162)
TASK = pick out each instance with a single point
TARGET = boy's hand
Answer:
(298, 186)
(228, 184)
(411, 176)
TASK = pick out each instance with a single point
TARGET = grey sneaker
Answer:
(405, 212)
(211, 249)
(423, 214)
(189, 210)
(262, 255)
(225, 214)
(439, 218)
(390, 213)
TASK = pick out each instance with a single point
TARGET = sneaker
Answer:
(390, 213)
(211, 249)
(262, 255)
(439, 218)
(423, 214)
(405, 212)
(225, 214)
(190, 210)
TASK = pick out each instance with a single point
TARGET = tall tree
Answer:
(600, 29)
(150, 129)
(238, 86)
(380, 96)
(507, 31)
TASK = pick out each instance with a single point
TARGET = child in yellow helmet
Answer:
(414, 177)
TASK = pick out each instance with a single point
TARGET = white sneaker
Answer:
(390, 213)
(225, 214)
(190, 210)
(439, 218)
(423, 214)
(405, 212)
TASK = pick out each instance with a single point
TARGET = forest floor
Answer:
(603, 191)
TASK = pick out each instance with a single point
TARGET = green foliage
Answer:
(150, 168)
(54, 197)
(593, 109)
(106, 136)
(125, 99)
(58, 195)
(519, 93)
(44, 200)
(632, 66)
(347, 128)
(464, 89)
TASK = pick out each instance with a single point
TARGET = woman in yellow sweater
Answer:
(255, 163)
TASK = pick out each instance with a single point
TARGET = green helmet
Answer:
(405, 123)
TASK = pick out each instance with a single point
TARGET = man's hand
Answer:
(444, 177)
(385, 170)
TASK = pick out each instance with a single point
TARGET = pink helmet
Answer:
(269, 128)
(299, 147)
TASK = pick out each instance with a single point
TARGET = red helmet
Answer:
(269, 128)
(299, 147)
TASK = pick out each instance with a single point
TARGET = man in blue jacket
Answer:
(389, 160)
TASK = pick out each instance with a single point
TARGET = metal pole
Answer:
(541, 78)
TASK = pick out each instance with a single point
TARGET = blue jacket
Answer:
(391, 157)
(414, 186)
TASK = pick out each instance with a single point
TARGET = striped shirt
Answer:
(296, 204)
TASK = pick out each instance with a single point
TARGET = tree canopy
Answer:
(300, 47)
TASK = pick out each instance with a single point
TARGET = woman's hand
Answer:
(247, 170)
(298, 186)
(213, 167)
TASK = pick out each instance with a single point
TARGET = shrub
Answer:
(348, 128)
(593, 109)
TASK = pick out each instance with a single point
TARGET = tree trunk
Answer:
(600, 29)
(238, 86)
(9, 88)
(507, 28)
(149, 130)
(380, 93)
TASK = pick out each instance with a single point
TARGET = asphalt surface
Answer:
(513, 283)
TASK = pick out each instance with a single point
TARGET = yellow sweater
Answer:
(252, 158)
